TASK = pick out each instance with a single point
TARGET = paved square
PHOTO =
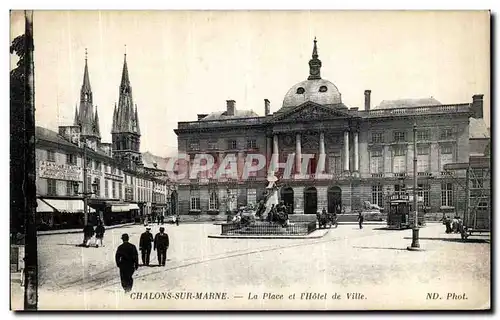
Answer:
(372, 262)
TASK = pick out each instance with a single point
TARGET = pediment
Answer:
(311, 112)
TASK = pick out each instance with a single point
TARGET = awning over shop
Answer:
(133, 206)
(41, 206)
(120, 207)
(61, 205)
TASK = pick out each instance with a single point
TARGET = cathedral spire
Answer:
(76, 120)
(138, 128)
(97, 130)
(86, 80)
(125, 79)
(115, 114)
(314, 64)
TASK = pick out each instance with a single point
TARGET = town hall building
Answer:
(368, 152)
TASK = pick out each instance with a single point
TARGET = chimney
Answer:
(267, 107)
(201, 116)
(367, 99)
(477, 106)
(230, 107)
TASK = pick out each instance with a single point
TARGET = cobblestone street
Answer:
(371, 261)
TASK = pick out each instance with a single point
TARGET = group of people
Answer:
(93, 236)
(453, 225)
(127, 256)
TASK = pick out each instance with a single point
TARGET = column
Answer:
(356, 151)
(269, 150)
(346, 150)
(298, 153)
(275, 152)
(322, 154)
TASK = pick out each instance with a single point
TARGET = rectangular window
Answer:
(424, 192)
(98, 166)
(89, 163)
(446, 134)
(377, 137)
(98, 187)
(376, 161)
(69, 188)
(423, 135)
(195, 202)
(51, 187)
(399, 136)
(335, 163)
(231, 145)
(212, 145)
(70, 159)
(423, 162)
(377, 195)
(213, 203)
(399, 160)
(446, 194)
(120, 190)
(114, 189)
(251, 144)
(477, 179)
(446, 156)
(51, 156)
(106, 189)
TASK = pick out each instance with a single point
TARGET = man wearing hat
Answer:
(145, 246)
(161, 244)
(127, 260)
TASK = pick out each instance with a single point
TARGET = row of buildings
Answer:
(368, 151)
(119, 182)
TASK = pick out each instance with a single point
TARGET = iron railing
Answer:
(268, 228)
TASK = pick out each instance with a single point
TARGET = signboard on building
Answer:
(52, 170)
(114, 177)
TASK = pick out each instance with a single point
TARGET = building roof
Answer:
(54, 137)
(149, 160)
(408, 103)
(222, 115)
(478, 129)
(320, 91)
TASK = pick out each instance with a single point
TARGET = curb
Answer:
(52, 232)
(270, 237)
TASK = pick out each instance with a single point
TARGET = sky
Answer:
(182, 63)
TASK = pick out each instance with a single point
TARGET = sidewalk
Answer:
(63, 231)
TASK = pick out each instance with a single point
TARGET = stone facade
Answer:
(349, 139)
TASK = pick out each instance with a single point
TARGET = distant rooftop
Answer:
(222, 115)
(408, 103)
(149, 160)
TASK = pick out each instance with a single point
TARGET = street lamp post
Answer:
(415, 245)
(85, 193)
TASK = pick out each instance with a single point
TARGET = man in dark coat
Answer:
(161, 244)
(145, 246)
(99, 234)
(127, 260)
(360, 220)
(88, 233)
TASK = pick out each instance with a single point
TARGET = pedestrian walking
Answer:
(145, 243)
(447, 223)
(177, 220)
(360, 220)
(162, 219)
(158, 219)
(127, 260)
(161, 243)
(88, 233)
(99, 234)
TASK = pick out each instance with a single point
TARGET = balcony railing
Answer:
(399, 175)
(438, 109)
(424, 174)
(377, 175)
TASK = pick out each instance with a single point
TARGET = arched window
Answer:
(300, 90)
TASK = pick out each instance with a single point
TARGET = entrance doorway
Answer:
(310, 200)
(334, 200)
(287, 198)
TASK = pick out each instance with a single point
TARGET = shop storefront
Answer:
(60, 213)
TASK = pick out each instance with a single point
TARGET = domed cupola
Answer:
(313, 89)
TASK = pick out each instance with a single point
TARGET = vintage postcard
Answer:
(250, 160)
